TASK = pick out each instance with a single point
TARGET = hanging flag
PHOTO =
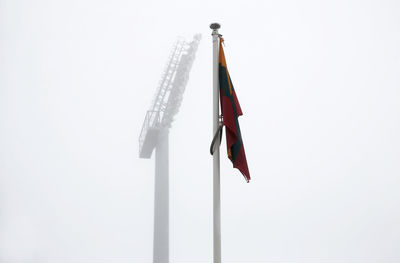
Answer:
(231, 110)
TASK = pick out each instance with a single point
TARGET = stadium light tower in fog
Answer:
(154, 135)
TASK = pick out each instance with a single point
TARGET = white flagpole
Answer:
(216, 169)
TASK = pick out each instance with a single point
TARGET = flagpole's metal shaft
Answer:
(216, 161)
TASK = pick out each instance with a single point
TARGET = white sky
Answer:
(319, 86)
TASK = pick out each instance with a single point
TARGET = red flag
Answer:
(231, 111)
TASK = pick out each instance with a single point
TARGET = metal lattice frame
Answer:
(169, 93)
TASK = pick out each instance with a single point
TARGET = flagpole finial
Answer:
(215, 26)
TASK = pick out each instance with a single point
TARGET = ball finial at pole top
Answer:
(215, 26)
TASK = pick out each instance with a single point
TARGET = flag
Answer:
(231, 110)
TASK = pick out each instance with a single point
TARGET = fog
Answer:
(319, 86)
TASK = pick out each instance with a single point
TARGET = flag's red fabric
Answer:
(230, 112)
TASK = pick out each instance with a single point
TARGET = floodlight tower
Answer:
(154, 135)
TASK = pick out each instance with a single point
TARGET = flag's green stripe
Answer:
(238, 143)
(223, 81)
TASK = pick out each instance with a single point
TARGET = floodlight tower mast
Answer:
(154, 135)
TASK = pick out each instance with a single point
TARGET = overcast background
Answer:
(319, 85)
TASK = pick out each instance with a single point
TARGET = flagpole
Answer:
(216, 165)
